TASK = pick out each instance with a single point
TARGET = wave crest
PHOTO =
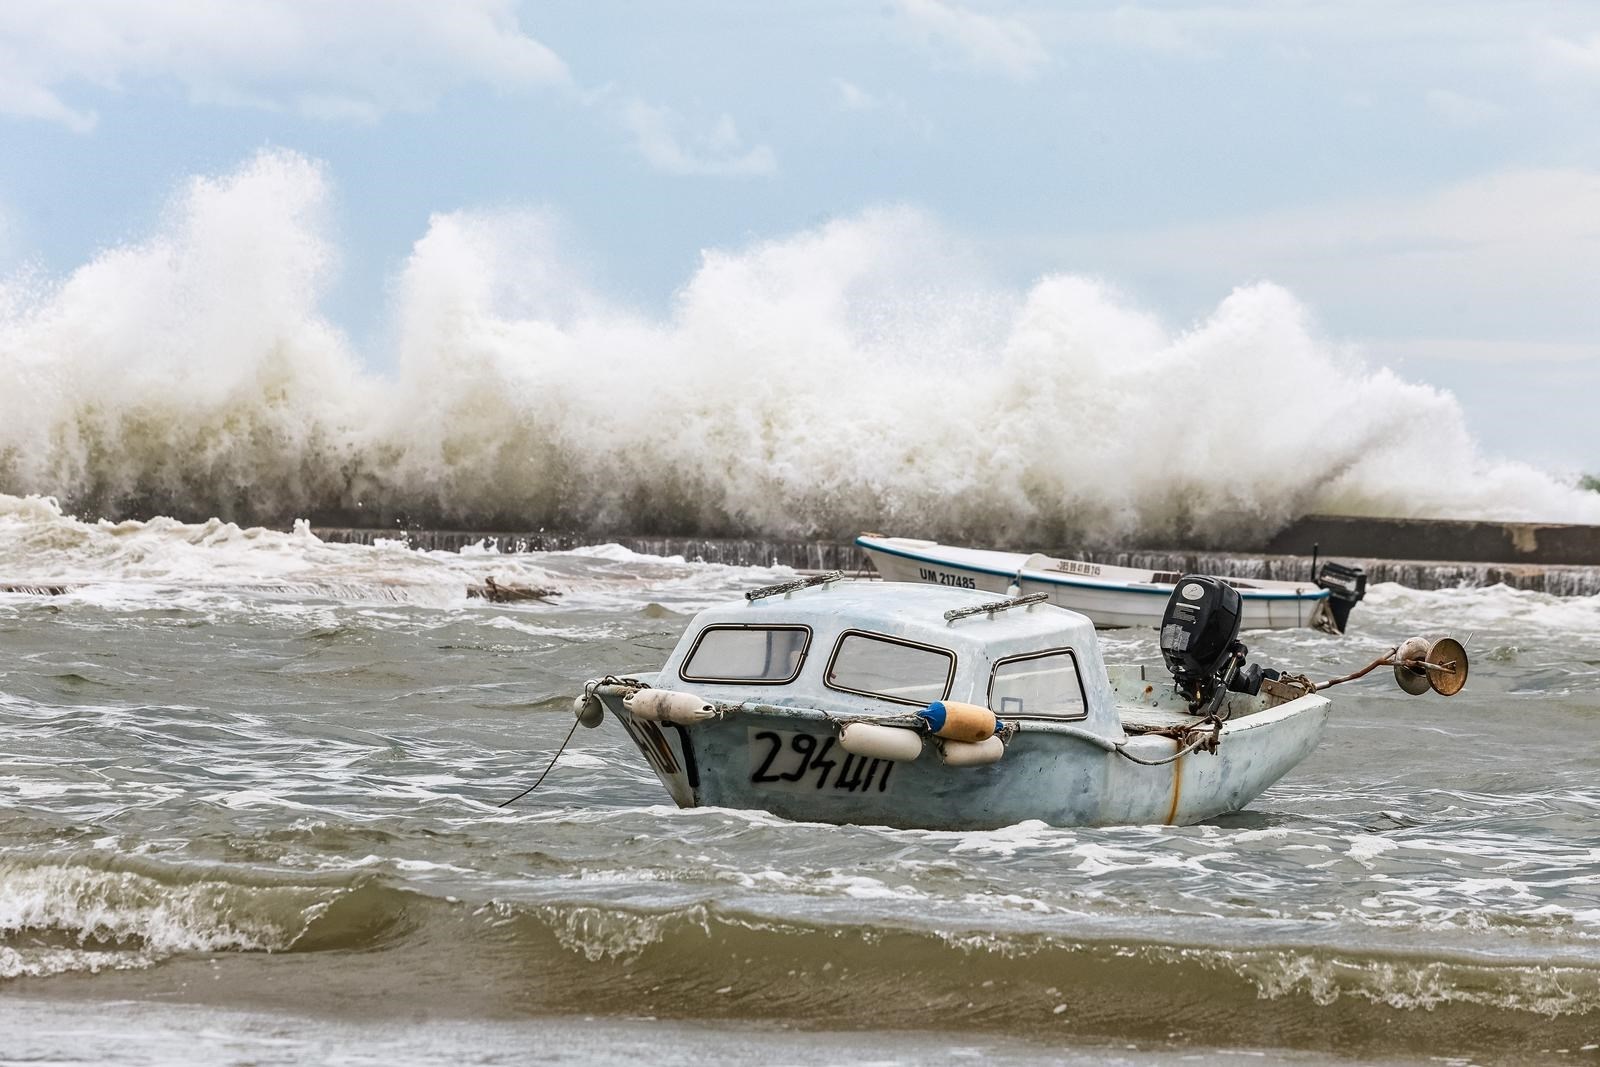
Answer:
(867, 373)
(92, 912)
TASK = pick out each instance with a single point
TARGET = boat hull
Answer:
(1108, 604)
(788, 761)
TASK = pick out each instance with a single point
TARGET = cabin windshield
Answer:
(895, 670)
(762, 655)
(1045, 684)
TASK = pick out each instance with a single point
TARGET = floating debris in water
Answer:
(503, 594)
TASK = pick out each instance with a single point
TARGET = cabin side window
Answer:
(759, 655)
(891, 669)
(1045, 684)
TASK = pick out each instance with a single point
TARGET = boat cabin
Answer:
(885, 649)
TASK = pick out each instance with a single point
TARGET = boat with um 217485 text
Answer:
(1116, 596)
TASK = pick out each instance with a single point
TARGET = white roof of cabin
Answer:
(910, 610)
(914, 612)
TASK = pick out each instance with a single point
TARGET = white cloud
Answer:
(1506, 259)
(854, 98)
(1463, 111)
(333, 108)
(346, 61)
(1573, 56)
(662, 138)
(1155, 31)
(986, 42)
(851, 97)
(1478, 351)
(1468, 38)
(23, 98)
(336, 59)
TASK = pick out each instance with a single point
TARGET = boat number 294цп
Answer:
(804, 762)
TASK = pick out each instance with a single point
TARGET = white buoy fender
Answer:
(969, 754)
(587, 709)
(956, 721)
(669, 705)
(880, 742)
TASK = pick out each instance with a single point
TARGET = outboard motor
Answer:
(1200, 642)
(1346, 586)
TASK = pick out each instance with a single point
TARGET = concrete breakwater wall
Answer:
(1559, 580)
(1544, 544)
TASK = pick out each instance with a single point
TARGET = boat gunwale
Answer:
(1150, 588)
(1252, 720)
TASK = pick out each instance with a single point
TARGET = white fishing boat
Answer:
(917, 706)
(1113, 596)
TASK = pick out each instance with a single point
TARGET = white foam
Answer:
(43, 962)
(122, 918)
(1007, 840)
(1364, 849)
(210, 567)
(1496, 608)
(864, 374)
(606, 933)
(618, 553)
(1409, 984)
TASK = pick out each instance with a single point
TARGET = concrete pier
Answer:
(1418, 573)
(1544, 544)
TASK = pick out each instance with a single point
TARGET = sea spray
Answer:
(867, 373)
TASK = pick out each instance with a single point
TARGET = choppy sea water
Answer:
(249, 789)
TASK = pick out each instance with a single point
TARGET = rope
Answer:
(1205, 740)
(1163, 761)
(588, 689)
(548, 769)
(612, 679)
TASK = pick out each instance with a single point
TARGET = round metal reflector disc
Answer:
(1451, 671)
(1413, 682)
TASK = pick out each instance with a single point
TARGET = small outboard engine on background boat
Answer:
(1200, 643)
(1346, 585)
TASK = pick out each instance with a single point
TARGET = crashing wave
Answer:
(864, 374)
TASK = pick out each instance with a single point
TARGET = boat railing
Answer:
(798, 584)
(996, 605)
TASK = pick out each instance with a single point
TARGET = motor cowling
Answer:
(1200, 638)
(1346, 586)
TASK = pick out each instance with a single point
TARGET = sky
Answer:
(1424, 177)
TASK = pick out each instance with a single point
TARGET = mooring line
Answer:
(548, 769)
